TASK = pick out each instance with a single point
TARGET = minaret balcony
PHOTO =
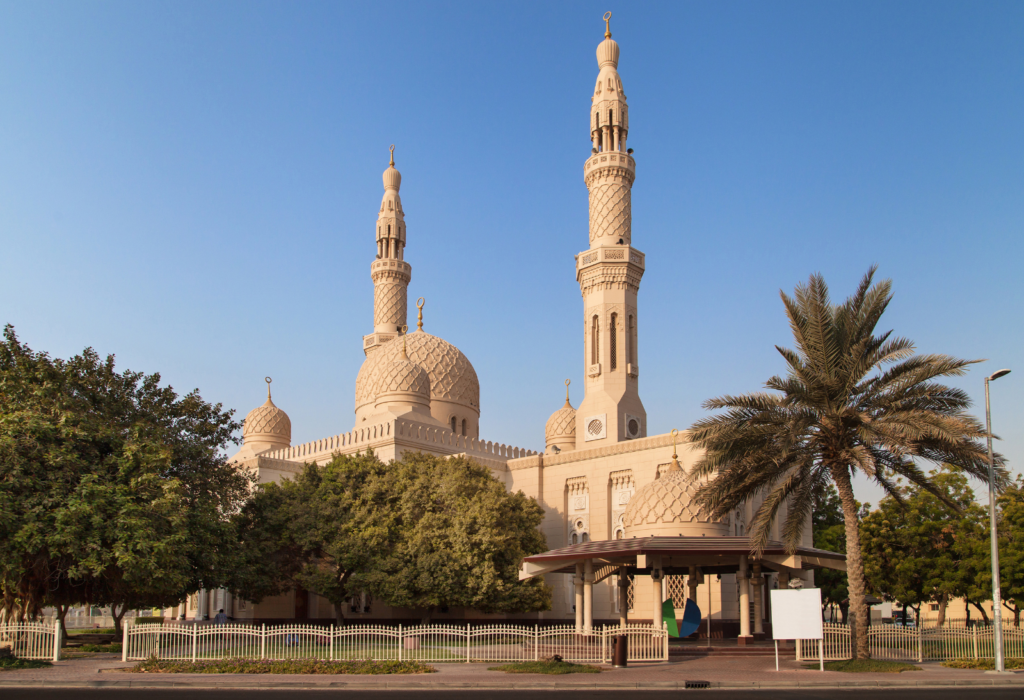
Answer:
(611, 254)
(609, 159)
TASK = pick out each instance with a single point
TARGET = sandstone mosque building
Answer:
(601, 477)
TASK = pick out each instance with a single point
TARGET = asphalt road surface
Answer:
(986, 693)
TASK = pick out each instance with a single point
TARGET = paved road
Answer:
(562, 694)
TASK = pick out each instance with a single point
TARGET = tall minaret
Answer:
(390, 272)
(609, 271)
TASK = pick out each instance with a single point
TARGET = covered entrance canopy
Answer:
(592, 562)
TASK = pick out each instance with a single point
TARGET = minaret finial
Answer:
(419, 318)
(607, 25)
(392, 155)
(674, 467)
(268, 380)
(567, 383)
(403, 330)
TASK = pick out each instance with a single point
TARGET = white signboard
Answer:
(796, 614)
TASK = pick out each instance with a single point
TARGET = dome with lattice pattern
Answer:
(560, 430)
(268, 424)
(665, 507)
(405, 376)
(452, 377)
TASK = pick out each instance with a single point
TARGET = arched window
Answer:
(453, 423)
(574, 540)
(585, 538)
(612, 335)
(463, 426)
(595, 340)
(631, 341)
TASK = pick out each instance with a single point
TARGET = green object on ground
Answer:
(668, 616)
(14, 664)
(551, 668)
(107, 648)
(304, 667)
(89, 630)
(982, 664)
(866, 666)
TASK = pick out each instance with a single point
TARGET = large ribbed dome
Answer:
(665, 507)
(267, 423)
(452, 377)
(403, 375)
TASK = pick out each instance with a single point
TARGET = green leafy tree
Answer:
(113, 489)
(851, 401)
(458, 538)
(1011, 548)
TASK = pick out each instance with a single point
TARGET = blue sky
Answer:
(193, 186)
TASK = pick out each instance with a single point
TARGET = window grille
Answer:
(631, 341)
(595, 339)
(631, 594)
(676, 586)
(612, 341)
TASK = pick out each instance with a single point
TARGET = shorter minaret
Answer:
(390, 272)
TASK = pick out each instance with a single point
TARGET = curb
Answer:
(331, 685)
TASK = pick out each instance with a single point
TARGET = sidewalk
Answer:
(103, 670)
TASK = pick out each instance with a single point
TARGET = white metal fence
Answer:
(32, 640)
(428, 643)
(909, 644)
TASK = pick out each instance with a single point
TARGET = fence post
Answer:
(467, 642)
(56, 640)
(974, 637)
(124, 640)
(195, 639)
(920, 646)
(536, 642)
(263, 641)
(401, 642)
(331, 652)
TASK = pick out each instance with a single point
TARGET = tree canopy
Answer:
(114, 490)
(852, 400)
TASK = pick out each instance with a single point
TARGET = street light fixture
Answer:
(997, 603)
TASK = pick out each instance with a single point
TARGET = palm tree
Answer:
(851, 401)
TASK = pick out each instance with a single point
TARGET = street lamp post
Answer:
(997, 603)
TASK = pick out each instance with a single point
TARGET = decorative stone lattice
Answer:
(668, 499)
(389, 304)
(610, 210)
(562, 423)
(452, 377)
(403, 375)
(268, 419)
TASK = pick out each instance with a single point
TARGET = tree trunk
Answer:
(943, 602)
(844, 613)
(854, 564)
(981, 609)
(339, 614)
(904, 614)
(62, 612)
(118, 616)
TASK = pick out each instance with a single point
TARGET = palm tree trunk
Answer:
(854, 564)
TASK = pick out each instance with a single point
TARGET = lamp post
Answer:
(997, 603)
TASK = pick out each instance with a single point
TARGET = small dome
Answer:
(608, 53)
(392, 178)
(403, 375)
(560, 430)
(665, 507)
(268, 424)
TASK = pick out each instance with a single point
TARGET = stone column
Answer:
(757, 581)
(588, 596)
(743, 577)
(691, 583)
(623, 597)
(656, 575)
(578, 581)
(202, 604)
(783, 580)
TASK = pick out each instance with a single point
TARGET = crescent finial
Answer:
(268, 380)
(607, 25)
(392, 155)
(567, 383)
(420, 303)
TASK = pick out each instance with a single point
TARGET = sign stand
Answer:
(796, 614)
(776, 654)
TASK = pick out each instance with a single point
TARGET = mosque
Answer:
(601, 479)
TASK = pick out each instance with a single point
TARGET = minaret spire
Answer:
(609, 271)
(390, 273)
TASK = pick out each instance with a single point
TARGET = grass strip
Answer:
(11, 663)
(297, 666)
(982, 664)
(101, 648)
(551, 668)
(866, 666)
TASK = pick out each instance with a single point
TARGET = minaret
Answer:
(609, 271)
(390, 272)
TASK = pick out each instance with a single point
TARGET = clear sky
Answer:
(193, 186)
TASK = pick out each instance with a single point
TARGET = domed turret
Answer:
(665, 508)
(560, 430)
(402, 387)
(267, 427)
